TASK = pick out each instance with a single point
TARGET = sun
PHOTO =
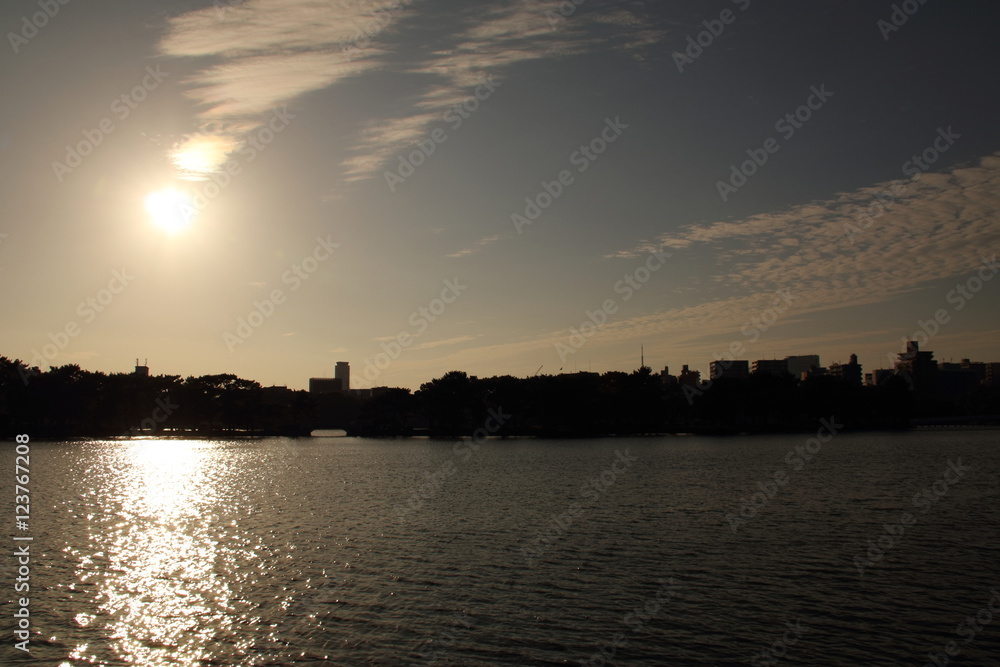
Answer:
(171, 210)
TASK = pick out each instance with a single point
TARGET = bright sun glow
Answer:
(170, 210)
(201, 155)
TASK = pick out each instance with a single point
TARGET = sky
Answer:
(514, 187)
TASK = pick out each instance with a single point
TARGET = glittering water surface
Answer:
(522, 552)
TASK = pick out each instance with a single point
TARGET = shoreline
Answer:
(717, 432)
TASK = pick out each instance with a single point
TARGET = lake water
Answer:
(518, 552)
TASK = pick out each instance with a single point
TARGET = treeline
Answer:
(67, 401)
(584, 404)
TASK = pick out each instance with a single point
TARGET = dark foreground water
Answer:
(523, 552)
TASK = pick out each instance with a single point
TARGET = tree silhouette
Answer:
(449, 403)
(67, 401)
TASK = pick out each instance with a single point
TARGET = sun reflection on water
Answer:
(164, 595)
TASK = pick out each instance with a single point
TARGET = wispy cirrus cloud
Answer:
(429, 344)
(266, 53)
(447, 341)
(380, 141)
(502, 35)
(477, 246)
(938, 227)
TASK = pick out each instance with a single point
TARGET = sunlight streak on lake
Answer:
(160, 592)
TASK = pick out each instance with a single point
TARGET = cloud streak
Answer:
(447, 341)
(833, 256)
(506, 34)
(266, 53)
(477, 246)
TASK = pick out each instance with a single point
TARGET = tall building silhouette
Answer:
(777, 367)
(919, 366)
(689, 377)
(993, 374)
(803, 363)
(733, 368)
(325, 386)
(343, 373)
(851, 371)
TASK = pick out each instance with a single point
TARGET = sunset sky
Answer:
(356, 173)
